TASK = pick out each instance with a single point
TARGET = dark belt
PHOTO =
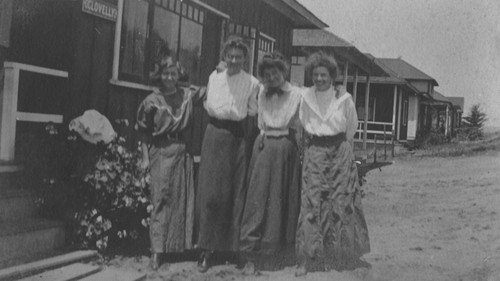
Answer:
(167, 138)
(336, 139)
(225, 123)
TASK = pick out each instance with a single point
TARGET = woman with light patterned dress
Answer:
(331, 231)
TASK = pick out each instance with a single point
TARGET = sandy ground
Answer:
(430, 219)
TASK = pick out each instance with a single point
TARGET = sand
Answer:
(429, 218)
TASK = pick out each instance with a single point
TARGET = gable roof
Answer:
(457, 101)
(300, 15)
(404, 70)
(321, 39)
(318, 38)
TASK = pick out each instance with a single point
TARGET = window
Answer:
(266, 45)
(152, 31)
(371, 109)
(405, 113)
(249, 35)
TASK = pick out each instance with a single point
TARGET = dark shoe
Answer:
(204, 262)
(300, 270)
(155, 261)
(249, 268)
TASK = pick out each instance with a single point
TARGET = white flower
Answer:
(144, 223)
(99, 219)
(149, 209)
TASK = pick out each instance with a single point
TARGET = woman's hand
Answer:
(221, 66)
(144, 164)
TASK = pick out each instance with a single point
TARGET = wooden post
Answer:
(375, 149)
(447, 121)
(385, 147)
(355, 87)
(394, 100)
(393, 136)
(367, 101)
(400, 94)
(8, 112)
(346, 68)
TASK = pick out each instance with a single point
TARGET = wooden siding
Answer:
(261, 16)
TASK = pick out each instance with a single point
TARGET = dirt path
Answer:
(430, 219)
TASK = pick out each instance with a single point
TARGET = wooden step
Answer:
(45, 264)
(16, 204)
(70, 272)
(115, 275)
(30, 237)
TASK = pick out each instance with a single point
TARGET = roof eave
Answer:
(300, 15)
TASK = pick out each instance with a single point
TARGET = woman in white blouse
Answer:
(331, 229)
(269, 219)
(231, 97)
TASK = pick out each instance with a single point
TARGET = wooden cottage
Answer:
(62, 57)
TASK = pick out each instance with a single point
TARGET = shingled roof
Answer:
(300, 15)
(325, 40)
(318, 38)
(404, 70)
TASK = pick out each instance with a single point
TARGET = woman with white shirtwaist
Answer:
(271, 210)
(231, 97)
(331, 229)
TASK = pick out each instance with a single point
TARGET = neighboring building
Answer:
(441, 114)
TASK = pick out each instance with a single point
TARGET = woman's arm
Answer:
(351, 119)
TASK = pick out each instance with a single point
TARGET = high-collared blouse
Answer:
(340, 116)
(279, 111)
(159, 114)
(232, 97)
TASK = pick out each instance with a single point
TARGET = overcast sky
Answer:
(457, 42)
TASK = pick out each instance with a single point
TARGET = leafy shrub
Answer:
(112, 207)
(469, 133)
(430, 138)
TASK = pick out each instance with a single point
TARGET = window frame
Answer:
(115, 76)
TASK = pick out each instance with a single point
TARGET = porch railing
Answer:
(373, 129)
(9, 105)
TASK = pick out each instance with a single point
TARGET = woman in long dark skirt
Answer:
(332, 231)
(231, 97)
(272, 205)
(162, 118)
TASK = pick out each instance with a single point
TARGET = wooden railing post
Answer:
(8, 97)
(375, 150)
(385, 145)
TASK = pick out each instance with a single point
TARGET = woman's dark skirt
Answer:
(332, 230)
(269, 219)
(221, 185)
(172, 196)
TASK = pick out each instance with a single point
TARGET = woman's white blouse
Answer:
(340, 117)
(232, 97)
(278, 112)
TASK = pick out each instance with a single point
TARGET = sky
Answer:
(457, 42)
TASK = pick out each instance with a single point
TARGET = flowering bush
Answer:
(112, 206)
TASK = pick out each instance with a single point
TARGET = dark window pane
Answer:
(133, 42)
(164, 36)
(184, 9)
(195, 15)
(177, 6)
(190, 49)
(190, 12)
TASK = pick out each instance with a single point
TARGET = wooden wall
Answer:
(261, 16)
